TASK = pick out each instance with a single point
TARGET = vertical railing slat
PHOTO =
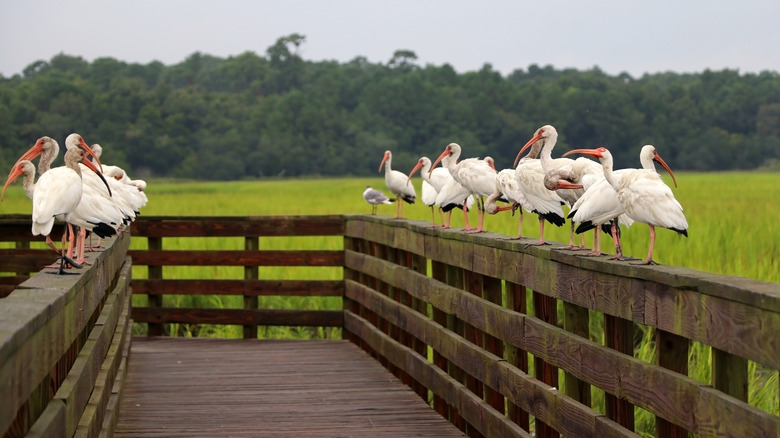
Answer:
(155, 273)
(619, 335)
(671, 352)
(546, 309)
(251, 273)
(516, 300)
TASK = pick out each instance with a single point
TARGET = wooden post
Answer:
(546, 309)
(491, 291)
(730, 374)
(439, 272)
(671, 352)
(516, 300)
(155, 273)
(577, 321)
(23, 244)
(619, 335)
(419, 264)
(251, 273)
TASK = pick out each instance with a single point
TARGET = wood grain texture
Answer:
(266, 388)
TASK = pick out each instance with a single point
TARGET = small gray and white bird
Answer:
(375, 197)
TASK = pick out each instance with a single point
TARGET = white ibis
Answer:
(433, 181)
(477, 176)
(453, 195)
(398, 184)
(375, 197)
(57, 193)
(562, 179)
(548, 135)
(545, 203)
(600, 206)
(644, 196)
(508, 189)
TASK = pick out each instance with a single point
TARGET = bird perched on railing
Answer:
(644, 196)
(375, 197)
(398, 184)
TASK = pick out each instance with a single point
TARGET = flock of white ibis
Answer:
(83, 193)
(598, 197)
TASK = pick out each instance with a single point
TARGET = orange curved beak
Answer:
(592, 152)
(33, 152)
(660, 160)
(416, 168)
(89, 151)
(533, 140)
(15, 172)
(438, 160)
(567, 185)
(94, 168)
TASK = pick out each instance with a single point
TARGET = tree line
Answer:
(277, 114)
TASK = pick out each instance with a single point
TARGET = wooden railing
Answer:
(159, 316)
(63, 339)
(502, 339)
(492, 310)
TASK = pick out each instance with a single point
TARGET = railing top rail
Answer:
(234, 226)
(411, 236)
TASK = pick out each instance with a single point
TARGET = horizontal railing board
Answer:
(26, 260)
(18, 228)
(233, 226)
(267, 317)
(319, 288)
(470, 406)
(573, 419)
(585, 359)
(236, 258)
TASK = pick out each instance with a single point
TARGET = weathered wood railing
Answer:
(158, 315)
(64, 340)
(498, 336)
(472, 317)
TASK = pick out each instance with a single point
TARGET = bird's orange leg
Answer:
(541, 234)
(446, 223)
(467, 226)
(571, 246)
(520, 226)
(618, 246)
(80, 256)
(649, 260)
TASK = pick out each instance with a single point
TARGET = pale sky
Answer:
(617, 36)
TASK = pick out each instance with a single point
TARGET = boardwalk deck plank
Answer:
(267, 388)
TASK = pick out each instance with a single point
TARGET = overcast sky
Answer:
(617, 36)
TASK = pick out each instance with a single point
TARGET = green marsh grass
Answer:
(733, 230)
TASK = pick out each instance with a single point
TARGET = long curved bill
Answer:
(33, 152)
(15, 172)
(94, 168)
(660, 160)
(438, 160)
(592, 152)
(533, 140)
(567, 185)
(89, 151)
(416, 168)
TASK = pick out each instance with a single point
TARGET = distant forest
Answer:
(251, 116)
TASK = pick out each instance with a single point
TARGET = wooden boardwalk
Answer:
(267, 388)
